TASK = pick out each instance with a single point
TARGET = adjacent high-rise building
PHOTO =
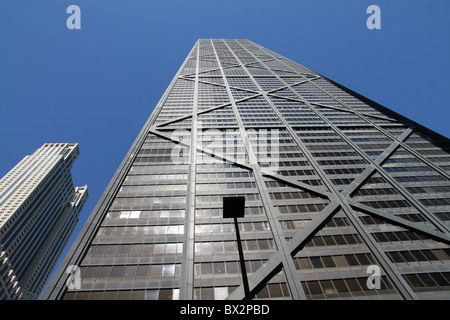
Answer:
(344, 199)
(39, 209)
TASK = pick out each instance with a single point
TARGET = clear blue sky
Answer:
(98, 85)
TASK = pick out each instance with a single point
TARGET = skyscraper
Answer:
(39, 208)
(345, 199)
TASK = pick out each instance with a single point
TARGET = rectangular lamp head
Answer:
(233, 207)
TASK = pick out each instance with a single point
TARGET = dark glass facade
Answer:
(335, 186)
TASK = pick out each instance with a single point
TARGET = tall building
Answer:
(39, 208)
(345, 199)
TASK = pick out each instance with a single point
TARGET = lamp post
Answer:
(234, 207)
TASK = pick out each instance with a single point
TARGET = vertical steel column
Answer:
(187, 266)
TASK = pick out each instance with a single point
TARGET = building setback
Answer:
(39, 208)
(345, 199)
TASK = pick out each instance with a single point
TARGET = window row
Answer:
(157, 294)
(388, 204)
(217, 212)
(341, 162)
(414, 217)
(341, 286)
(407, 169)
(419, 255)
(329, 147)
(156, 151)
(293, 163)
(129, 272)
(297, 172)
(290, 155)
(204, 167)
(401, 160)
(439, 159)
(153, 188)
(398, 236)
(435, 202)
(338, 261)
(149, 201)
(231, 246)
(221, 175)
(303, 208)
(139, 231)
(430, 281)
(135, 250)
(292, 195)
(141, 214)
(167, 160)
(342, 181)
(154, 177)
(228, 267)
(254, 226)
(224, 186)
(334, 240)
(375, 192)
(429, 189)
(137, 169)
(219, 198)
(334, 154)
(315, 132)
(300, 224)
(344, 171)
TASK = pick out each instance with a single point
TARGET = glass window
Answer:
(168, 270)
(232, 267)
(124, 215)
(155, 271)
(328, 262)
(353, 285)
(328, 287)
(340, 285)
(151, 294)
(220, 293)
(314, 287)
(316, 262)
(135, 214)
(340, 261)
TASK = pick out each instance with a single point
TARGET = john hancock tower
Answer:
(344, 199)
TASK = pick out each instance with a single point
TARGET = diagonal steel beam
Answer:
(358, 181)
(219, 85)
(270, 174)
(273, 265)
(362, 177)
(403, 144)
(353, 112)
(205, 111)
(430, 232)
(315, 190)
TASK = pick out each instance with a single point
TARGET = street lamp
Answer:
(234, 207)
